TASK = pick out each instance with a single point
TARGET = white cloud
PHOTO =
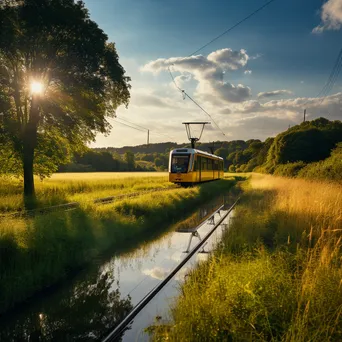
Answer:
(274, 93)
(157, 273)
(247, 72)
(182, 80)
(209, 73)
(331, 16)
(258, 55)
(329, 106)
(246, 120)
(228, 59)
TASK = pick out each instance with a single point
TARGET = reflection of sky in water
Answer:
(99, 297)
(160, 304)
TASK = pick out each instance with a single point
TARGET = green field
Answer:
(79, 187)
(276, 275)
(36, 252)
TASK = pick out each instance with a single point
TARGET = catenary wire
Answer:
(207, 44)
(233, 27)
(331, 79)
(132, 123)
(151, 131)
(185, 94)
(138, 129)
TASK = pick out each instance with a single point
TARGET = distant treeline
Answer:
(312, 149)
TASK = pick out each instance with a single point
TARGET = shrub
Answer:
(289, 170)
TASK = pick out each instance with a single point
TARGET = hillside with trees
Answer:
(312, 149)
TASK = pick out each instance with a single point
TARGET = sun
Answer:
(36, 87)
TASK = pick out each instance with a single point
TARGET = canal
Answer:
(90, 305)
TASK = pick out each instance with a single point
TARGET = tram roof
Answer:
(194, 151)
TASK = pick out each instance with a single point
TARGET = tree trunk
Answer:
(30, 143)
(28, 156)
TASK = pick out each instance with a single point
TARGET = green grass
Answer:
(276, 275)
(37, 252)
(80, 187)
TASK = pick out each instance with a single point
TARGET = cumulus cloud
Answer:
(209, 73)
(331, 16)
(181, 80)
(274, 93)
(329, 106)
(247, 72)
(151, 99)
(229, 59)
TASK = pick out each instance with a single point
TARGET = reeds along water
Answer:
(276, 276)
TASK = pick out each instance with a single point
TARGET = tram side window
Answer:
(216, 165)
(180, 163)
(210, 164)
(204, 164)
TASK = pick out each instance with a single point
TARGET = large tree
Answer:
(60, 79)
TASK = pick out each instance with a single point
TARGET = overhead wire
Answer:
(132, 123)
(184, 93)
(146, 129)
(233, 27)
(121, 123)
(331, 79)
(333, 75)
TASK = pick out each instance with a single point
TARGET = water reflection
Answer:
(87, 307)
(83, 315)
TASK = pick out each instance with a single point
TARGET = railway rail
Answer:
(74, 205)
(116, 333)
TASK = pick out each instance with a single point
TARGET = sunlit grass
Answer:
(277, 274)
(38, 251)
(80, 187)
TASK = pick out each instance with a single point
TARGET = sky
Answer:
(255, 81)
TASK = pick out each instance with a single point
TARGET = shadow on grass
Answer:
(54, 246)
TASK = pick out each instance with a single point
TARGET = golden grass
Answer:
(304, 197)
(277, 275)
(80, 187)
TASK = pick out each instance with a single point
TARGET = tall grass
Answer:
(80, 187)
(277, 274)
(37, 252)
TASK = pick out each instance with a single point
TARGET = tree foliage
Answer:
(308, 142)
(55, 43)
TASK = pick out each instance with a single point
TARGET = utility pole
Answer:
(304, 114)
(148, 137)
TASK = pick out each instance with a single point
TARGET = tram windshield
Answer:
(180, 163)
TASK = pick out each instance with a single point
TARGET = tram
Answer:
(188, 166)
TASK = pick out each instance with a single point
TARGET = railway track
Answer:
(74, 205)
(116, 333)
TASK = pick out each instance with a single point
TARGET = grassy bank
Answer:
(37, 252)
(277, 274)
(79, 187)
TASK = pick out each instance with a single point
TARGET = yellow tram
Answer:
(189, 166)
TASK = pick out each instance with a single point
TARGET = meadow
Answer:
(277, 274)
(79, 187)
(37, 252)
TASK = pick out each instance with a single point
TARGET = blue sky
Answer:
(282, 52)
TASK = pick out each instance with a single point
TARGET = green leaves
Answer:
(54, 42)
